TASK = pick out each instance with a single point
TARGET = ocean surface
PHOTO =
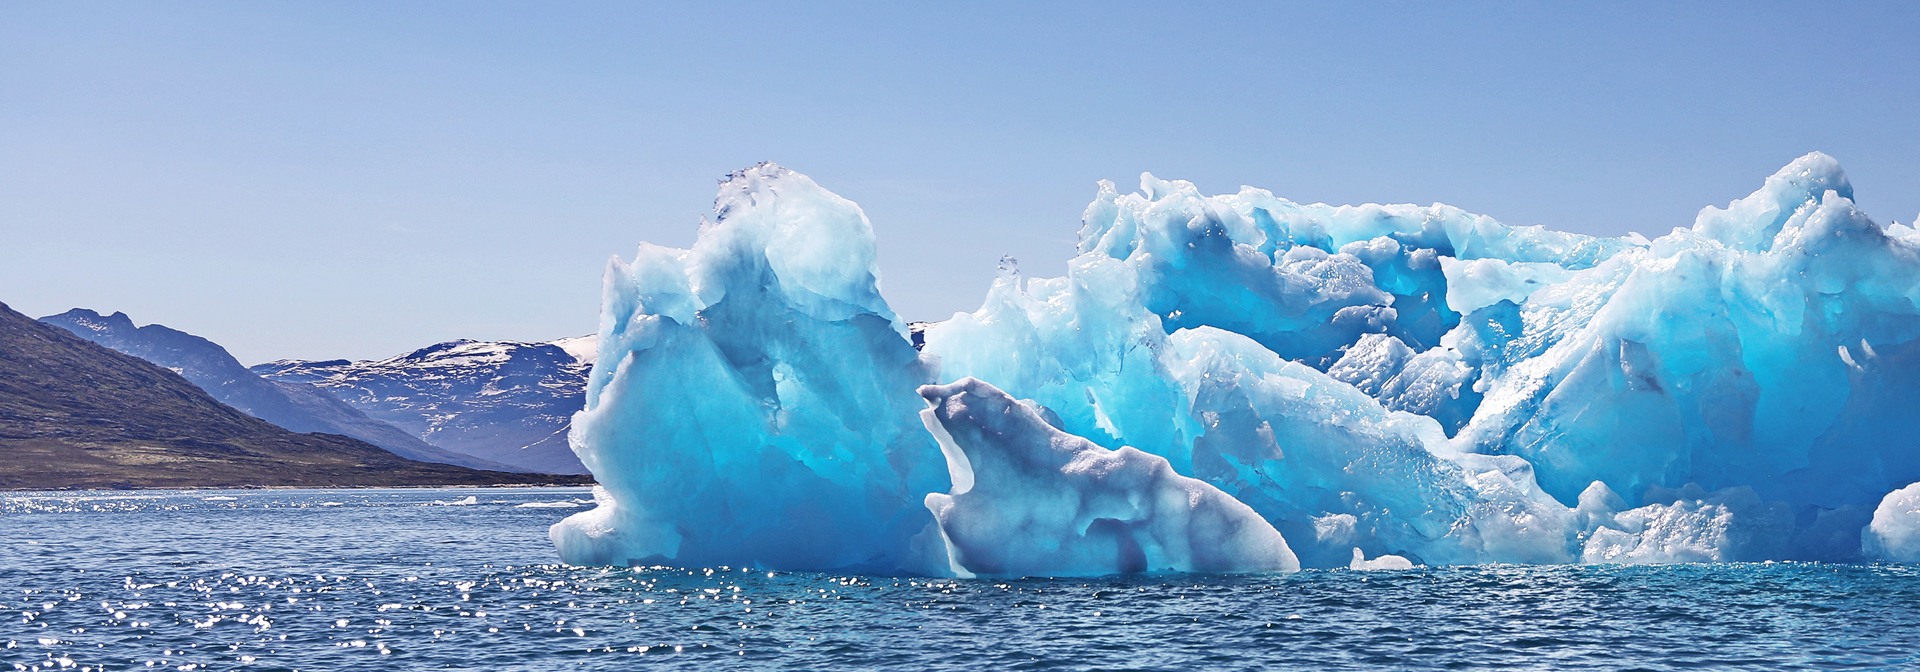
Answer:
(465, 579)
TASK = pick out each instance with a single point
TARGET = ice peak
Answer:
(1815, 172)
(764, 170)
(747, 183)
(773, 224)
(1750, 224)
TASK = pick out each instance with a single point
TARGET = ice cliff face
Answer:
(504, 401)
(1413, 381)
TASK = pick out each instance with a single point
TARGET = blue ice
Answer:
(1368, 381)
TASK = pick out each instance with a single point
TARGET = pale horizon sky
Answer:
(357, 180)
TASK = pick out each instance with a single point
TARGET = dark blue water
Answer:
(386, 580)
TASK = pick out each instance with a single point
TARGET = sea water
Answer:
(466, 579)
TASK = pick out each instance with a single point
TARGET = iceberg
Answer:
(1288, 440)
(1772, 345)
(1894, 533)
(1687, 525)
(1384, 381)
(752, 400)
(1029, 499)
(1360, 562)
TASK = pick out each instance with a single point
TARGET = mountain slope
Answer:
(292, 406)
(74, 414)
(506, 401)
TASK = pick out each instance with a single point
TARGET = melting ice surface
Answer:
(1368, 381)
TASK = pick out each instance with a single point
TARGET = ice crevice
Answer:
(1412, 384)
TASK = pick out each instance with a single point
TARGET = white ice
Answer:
(1476, 284)
(1361, 562)
(1031, 500)
(1894, 533)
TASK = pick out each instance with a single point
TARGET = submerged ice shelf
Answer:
(1361, 381)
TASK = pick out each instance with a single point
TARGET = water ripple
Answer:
(385, 580)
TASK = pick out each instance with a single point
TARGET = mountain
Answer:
(294, 406)
(75, 414)
(506, 401)
(582, 348)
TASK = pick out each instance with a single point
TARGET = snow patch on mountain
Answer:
(506, 401)
(583, 348)
(294, 406)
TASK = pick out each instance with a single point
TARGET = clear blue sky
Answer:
(341, 179)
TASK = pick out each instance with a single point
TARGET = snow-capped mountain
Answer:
(294, 406)
(77, 415)
(504, 401)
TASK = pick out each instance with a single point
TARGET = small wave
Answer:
(548, 505)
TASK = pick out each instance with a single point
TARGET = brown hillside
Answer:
(75, 415)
